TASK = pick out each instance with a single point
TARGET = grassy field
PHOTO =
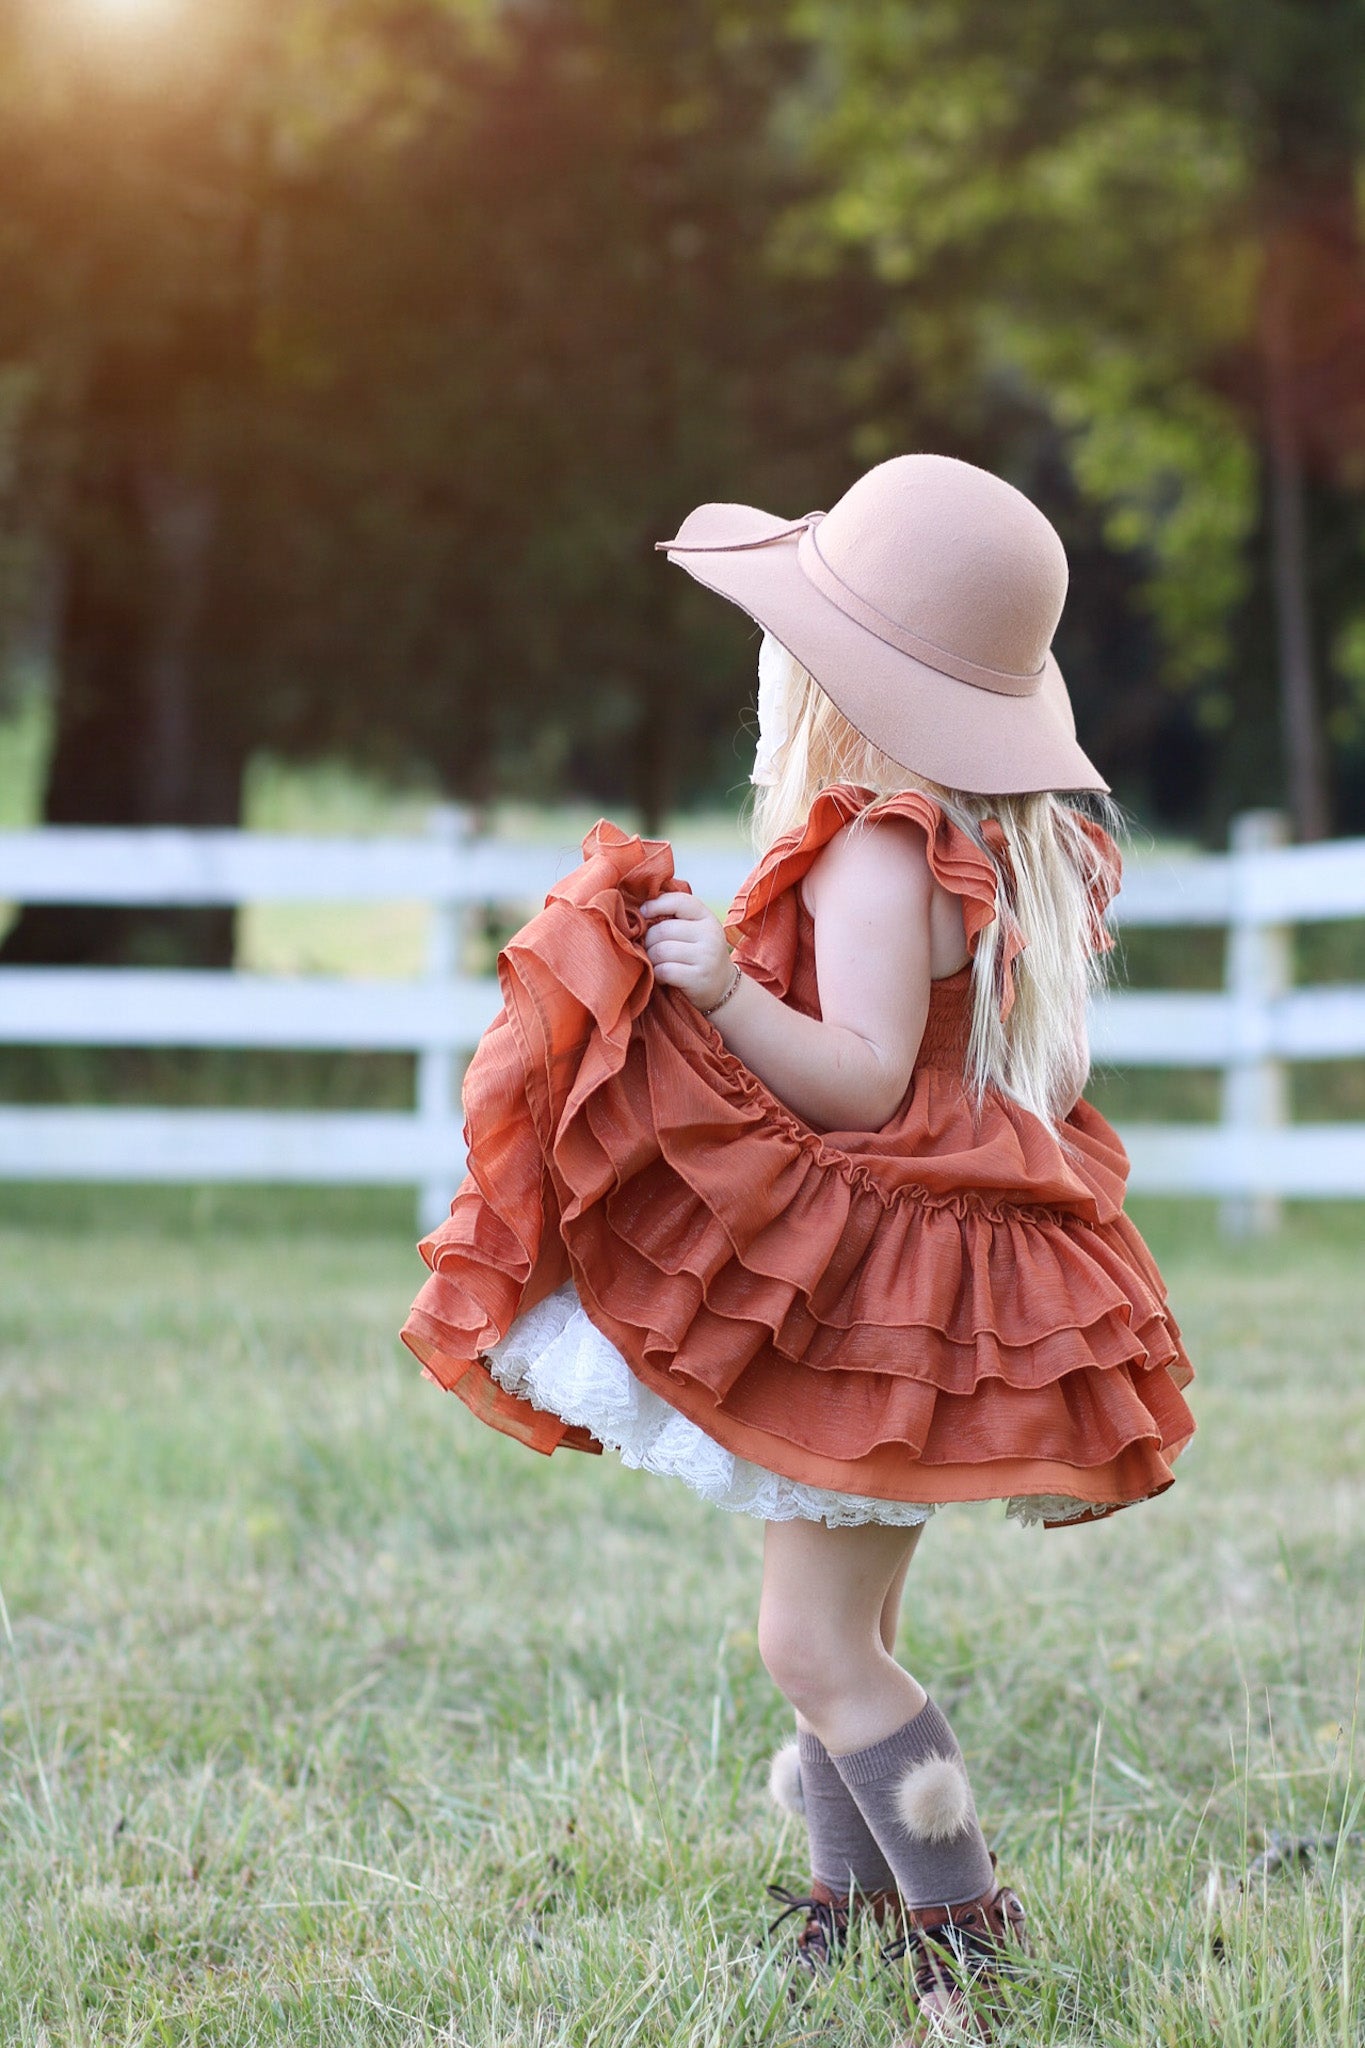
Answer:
(328, 1717)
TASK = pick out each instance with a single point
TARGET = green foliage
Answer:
(1178, 485)
(356, 355)
(1086, 200)
(448, 314)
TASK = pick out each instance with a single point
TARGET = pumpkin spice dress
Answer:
(651, 1252)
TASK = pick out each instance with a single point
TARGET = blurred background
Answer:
(353, 354)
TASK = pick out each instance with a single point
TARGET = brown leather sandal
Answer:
(823, 1937)
(955, 1953)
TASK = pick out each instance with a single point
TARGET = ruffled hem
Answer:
(950, 1308)
(556, 1358)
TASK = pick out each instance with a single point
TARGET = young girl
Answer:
(806, 1210)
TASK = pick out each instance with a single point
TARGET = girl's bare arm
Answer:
(871, 892)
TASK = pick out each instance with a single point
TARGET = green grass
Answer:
(330, 1717)
(25, 741)
(327, 1717)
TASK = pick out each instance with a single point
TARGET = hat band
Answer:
(818, 572)
(736, 547)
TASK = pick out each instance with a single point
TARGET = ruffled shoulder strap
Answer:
(957, 861)
(1107, 879)
(761, 920)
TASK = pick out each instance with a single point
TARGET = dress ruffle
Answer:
(951, 1308)
(557, 1359)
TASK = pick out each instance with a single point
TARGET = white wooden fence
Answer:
(438, 1017)
(1249, 1029)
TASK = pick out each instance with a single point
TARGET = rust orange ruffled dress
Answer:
(650, 1251)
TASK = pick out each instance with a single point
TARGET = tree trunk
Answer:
(1300, 714)
(653, 755)
(133, 745)
(1311, 336)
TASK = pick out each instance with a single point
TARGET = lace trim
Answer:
(556, 1358)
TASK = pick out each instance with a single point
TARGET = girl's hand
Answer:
(686, 947)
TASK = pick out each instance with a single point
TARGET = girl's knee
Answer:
(806, 1662)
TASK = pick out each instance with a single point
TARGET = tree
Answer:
(132, 275)
(372, 351)
(1146, 216)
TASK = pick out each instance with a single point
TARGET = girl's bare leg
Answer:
(827, 1616)
(891, 1606)
(893, 1805)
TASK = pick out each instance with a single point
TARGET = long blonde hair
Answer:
(1039, 1055)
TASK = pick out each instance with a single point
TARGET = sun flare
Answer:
(132, 10)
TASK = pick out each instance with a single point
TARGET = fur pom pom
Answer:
(934, 1800)
(784, 1780)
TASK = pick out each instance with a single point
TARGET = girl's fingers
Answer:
(674, 903)
(677, 938)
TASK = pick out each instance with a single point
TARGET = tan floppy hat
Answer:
(924, 604)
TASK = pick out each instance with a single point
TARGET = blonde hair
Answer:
(1039, 1055)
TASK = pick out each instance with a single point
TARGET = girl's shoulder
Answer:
(879, 858)
(956, 862)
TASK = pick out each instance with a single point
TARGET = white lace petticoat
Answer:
(557, 1359)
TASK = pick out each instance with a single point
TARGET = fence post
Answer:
(1255, 1091)
(449, 827)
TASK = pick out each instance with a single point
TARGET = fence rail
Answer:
(449, 868)
(1249, 1030)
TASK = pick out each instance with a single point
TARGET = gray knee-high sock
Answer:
(913, 1792)
(843, 1849)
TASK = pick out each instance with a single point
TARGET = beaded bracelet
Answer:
(726, 997)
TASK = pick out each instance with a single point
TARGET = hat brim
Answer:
(956, 733)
